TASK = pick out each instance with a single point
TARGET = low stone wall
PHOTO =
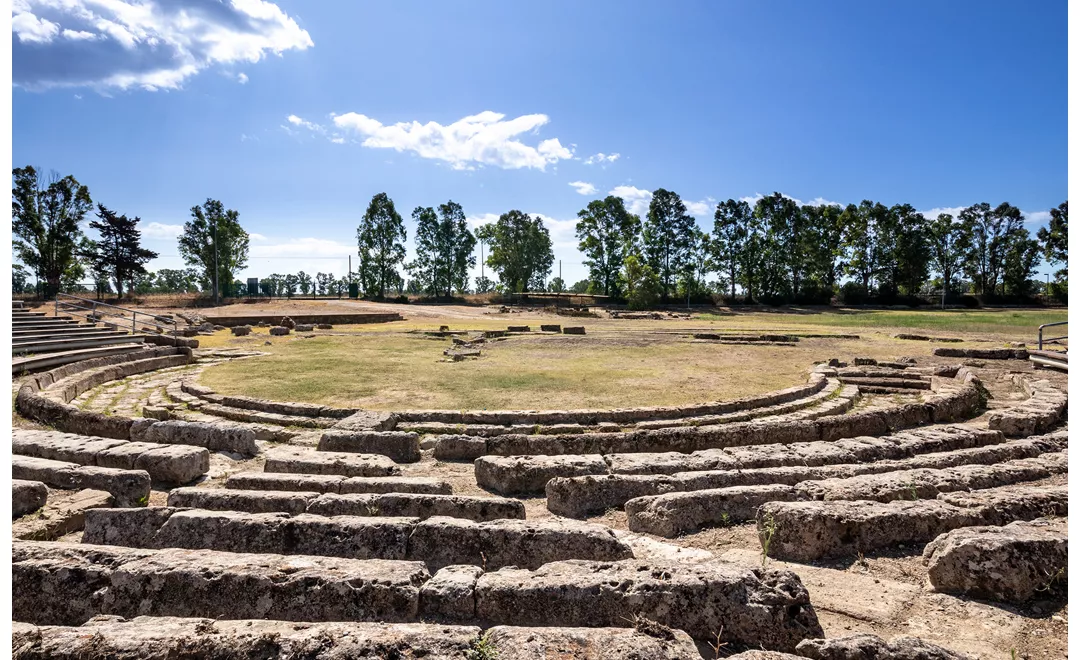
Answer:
(578, 497)
(128, 487)
(1045, 408)
(807, 531)
(168, 637)
(307, 319)
(953, 399)
(172, 465)
(399, 446)
(410, 505)
(301, 460)
(332, 483)
(618, 416)
(671, 514)
(982, 353)
(67, 584)
(437, 541)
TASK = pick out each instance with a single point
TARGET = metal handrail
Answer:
(75, 303)
(1048, 339)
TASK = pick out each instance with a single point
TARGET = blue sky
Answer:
(296, 113)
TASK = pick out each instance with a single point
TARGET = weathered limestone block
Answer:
(368, 420)
(241, 330)
(454, 447)
(514, 643)
(279, 330)
(443, 541)
(528, 475)
(64, 513)
(770, 609)
(517, 328)
(287, 322)
(302, 460)
(574, 330)
(107, 638)
(66, 584)
(268, 533)
(27, 497)
(418, 505)
(324, 326)
(129, 487)
(1009, 564)
(215, 437)
(400, 446)
(675, 513)
(332, 483)
(450, 595)
(304, 327)
(858, 647)
(251, 501)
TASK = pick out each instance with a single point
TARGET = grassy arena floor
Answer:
(619, 363)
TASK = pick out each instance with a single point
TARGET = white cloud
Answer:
(637, 200)
(338, 140)
(703, 209)
(483, 139)
(932, 214)
(256, 237)
(583, 188)
(1037, 217)
(817, 201)
(151, 44)
(601, 158)
(31, 29)
(242, 78)
(562, 232)
(161, 231)
(311, 126)
(303, 247)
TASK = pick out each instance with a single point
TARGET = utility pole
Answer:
(217, 273)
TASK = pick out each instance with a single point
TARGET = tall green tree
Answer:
(824, 243)
(46, 212)
(909, 256)
(667, 238)
(305, 282)
(1022, 257)
(785, 246)
(213, 230)
(731, 227)
(20, 279)
(991, 230)
(381, 240)
(1055, 239)
(605, 230)
(948, 246)
(520, 251)
(642, 284)
(173, 280)
(863, 249)
(444, 250)
(118, 250)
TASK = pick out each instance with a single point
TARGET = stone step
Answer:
(67, 584)
(332, 483)
(41, 338)
(1045, 407)
(64, 513)
(808, 531)
(37, 362)
(128, 487)
(951, 403)
(412, 505)
(528, 475)
(579, 497)
(74, 343)
(303, 460)
(65, 330)
(167, 464)
(437, 541)
(215, 437)
(675, 513)
(27, 497)
(400, 446)
(174, 637)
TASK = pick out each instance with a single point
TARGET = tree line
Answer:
(774, 251)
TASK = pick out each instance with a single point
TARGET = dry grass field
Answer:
(618, 363)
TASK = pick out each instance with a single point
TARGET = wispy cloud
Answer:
(148, 44)
(583, 188)
(157, 230)
(601, 158)
(487, 138)
(636, 199)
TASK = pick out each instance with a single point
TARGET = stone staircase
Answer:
(39, 341)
